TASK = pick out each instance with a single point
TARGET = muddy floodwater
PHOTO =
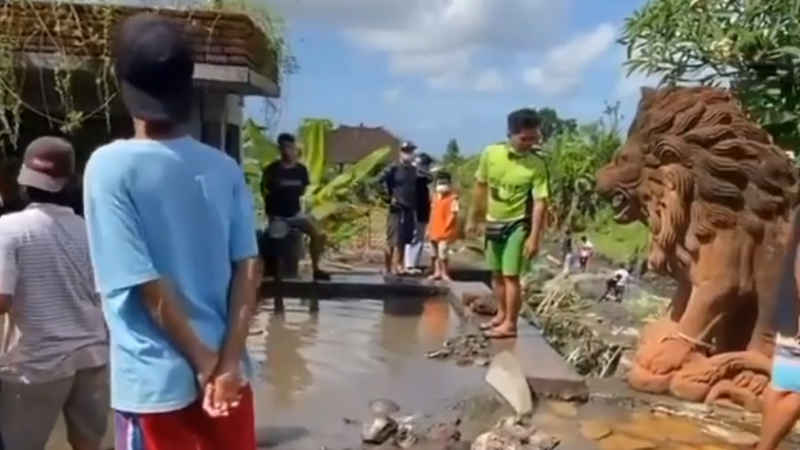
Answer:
(318, 371)
(323, 369)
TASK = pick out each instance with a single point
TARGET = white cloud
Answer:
(629, 86)
(565, 64)
(431, 64)
(441, 40)
(392, 95)
(490, 80)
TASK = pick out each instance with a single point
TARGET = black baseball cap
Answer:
(407, 147)
(154, 66)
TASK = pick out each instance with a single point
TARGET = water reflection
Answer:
(285, 340)
(321, 369)
(397, 323)
(434, 325)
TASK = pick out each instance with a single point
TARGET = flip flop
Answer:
(499, 335)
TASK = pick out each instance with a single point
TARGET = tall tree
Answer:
(753, 45)
(552, 125)
(452, 155)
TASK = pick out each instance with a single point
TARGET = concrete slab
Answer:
(546, 371)
(366, 286)
(507, 377)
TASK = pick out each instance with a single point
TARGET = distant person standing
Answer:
(173, 245)
(443, 229)
(511, 194)
(400, 184)
(585, 252)
(57, 359)
(283, 184)
(413, 251)
(566, 252)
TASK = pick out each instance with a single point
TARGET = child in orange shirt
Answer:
(443, 228)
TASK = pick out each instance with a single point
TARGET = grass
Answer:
(619, 242)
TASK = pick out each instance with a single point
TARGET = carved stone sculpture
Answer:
(718, 197)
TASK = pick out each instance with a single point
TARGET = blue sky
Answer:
(431, 70)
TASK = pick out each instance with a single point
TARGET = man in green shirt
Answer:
(511, 193)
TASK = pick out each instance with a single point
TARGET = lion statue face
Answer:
(693, 164)
(622, 181)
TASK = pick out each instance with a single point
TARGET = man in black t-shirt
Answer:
(400, 183)
(283, 183)
(413, 253)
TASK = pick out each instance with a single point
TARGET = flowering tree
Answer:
(754, 45)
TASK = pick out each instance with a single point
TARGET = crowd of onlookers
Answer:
(136, 297)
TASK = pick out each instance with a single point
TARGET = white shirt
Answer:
(58, 324)
(622, 276)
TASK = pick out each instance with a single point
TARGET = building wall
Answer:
(216, 120)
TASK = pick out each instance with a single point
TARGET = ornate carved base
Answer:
(659, 356)
(669, 365)
(739, 377)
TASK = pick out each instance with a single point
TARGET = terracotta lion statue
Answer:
(719, 198)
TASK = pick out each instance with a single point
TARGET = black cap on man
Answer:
(154, 66)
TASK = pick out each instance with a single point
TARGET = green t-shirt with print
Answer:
(511, 178)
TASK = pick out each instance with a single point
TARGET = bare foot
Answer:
(503, 331)
(434, 277)
(447, 278)
(494, 323)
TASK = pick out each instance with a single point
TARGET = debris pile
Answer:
(514, 433)
(467, 350)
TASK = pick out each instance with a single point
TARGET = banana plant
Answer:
(325, 200)
(312, 134)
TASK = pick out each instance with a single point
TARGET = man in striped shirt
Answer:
(58, 350)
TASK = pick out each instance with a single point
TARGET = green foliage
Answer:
(620, 243)
(259, 151)
(452, 154)
(552, 125)
(312, 135)
(753, 43)
(464, 173)
(574, 158)
(335, 202)
(80, 35)
(336, 195)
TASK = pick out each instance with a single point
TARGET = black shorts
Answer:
(400, 226)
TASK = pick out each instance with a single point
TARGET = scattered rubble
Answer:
(515, 434)
(466, 350)
(379, 430)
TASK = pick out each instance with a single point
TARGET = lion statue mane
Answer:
(719, 198)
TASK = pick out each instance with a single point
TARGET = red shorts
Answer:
(188, 428)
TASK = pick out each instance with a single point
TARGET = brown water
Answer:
(317, 370)
(324, 368)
